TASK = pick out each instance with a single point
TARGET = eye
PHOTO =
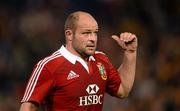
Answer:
(86, 32)
(96, 32)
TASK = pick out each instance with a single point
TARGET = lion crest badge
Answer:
(102, 70)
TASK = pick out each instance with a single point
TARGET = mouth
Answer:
(91, 46)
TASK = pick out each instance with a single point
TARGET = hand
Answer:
(127, 41)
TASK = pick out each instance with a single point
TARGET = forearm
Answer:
(127, 73)
(28, 106)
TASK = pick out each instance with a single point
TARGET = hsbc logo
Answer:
(92, 89)
(92, 98)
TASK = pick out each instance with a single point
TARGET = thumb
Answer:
(115, 37)
(119, 41)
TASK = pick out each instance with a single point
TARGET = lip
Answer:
(92, 45)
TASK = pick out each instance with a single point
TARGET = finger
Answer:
(116, 38)
(125, 36)
(132, 38)
(130, 41)
(129, 37)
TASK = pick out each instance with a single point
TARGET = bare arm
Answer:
(28, 106)
(127, 69)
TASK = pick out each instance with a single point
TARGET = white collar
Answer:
(73, 58)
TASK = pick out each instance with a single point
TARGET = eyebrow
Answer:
(91, 30)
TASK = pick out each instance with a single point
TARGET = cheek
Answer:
(81, 40)
(78, 42)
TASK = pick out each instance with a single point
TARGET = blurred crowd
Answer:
(32, 29)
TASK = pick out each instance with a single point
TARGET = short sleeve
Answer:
(114, 80)
(39, 84)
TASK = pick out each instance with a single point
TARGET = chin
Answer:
(89, 53)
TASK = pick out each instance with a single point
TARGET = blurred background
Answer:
(32, 29)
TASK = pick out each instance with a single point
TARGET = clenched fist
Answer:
(127, 41)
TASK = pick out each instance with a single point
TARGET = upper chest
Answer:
(68, 72)
(75, 76)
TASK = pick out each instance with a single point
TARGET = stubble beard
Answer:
(86, 53)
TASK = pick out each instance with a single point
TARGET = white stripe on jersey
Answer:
(97, 52)
(36, 73)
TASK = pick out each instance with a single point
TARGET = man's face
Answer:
(85, 36)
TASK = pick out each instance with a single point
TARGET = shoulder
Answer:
(54, 60)
(51, 62)
(101, 56)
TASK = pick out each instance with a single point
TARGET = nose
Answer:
(93, 37)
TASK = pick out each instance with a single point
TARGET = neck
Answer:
(83, 56)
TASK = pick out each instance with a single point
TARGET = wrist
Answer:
(130, 51)
(130, 54)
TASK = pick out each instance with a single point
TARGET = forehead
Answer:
(87, 22)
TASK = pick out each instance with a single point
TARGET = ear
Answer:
(69, 35)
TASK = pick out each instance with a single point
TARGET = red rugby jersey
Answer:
(66, 83)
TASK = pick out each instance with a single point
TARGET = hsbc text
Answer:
(91, 99)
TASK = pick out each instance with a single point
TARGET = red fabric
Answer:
(81, 92)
